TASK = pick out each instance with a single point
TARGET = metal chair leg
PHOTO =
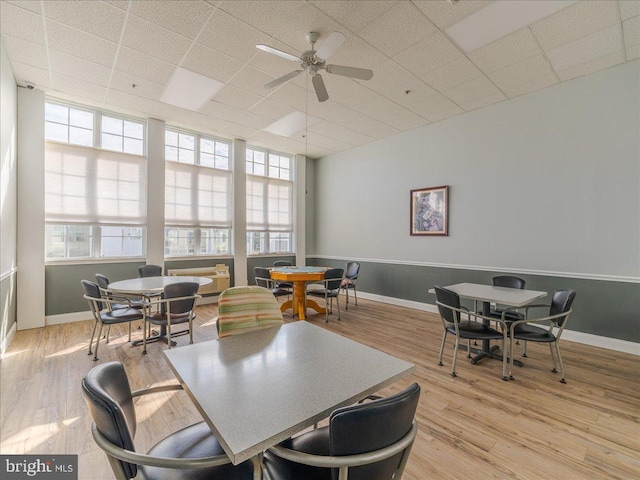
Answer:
(93, 332)
(95, 356)
(455, 355)
(444, 338)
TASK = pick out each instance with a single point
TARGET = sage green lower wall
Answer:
(7, 305)
(603, 308)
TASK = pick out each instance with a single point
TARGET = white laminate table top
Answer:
(514, 297)
(258, 388)
(153, 284)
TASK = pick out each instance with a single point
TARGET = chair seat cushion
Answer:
(315, 442)
(195, 441)
(121, 315)
(509, 317)
(322, 293)
(475, 330)
(526, 331)
(161, 318)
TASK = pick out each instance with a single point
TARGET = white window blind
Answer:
(86, 185)
(197, 196)
(269, 206)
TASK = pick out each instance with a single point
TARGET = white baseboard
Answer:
(6, 341)
(623, 346)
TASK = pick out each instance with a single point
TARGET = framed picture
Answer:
(429, 211)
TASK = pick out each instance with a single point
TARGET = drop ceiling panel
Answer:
(210, 63)
(631, 29)
(237, 97)
(304, 20)
(507, 51)
(21, 23)
(79, 87)
(130, 103)
(210, 124)
(143, 65)
(445, 14)
(483, 102)
(34, 7)
(354, 15)
(28, 73)
(23, 51)
(222, 111)
(271, 17)
(574, 22)
(587, 48)
(386, 77)
(341, 133)
(124, 82)
(474, 90)
(429, 54)
(80, 44)
(183, 18)
(524, 77)
(629, 8)
(170, 113)
(452, 74)
(154, 40)
(69, 65)
(592, 66)
(97, 18)
(390, 113)
(271, 109)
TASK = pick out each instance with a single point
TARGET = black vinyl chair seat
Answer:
(475, 330)
(534, 334)
(263, 279)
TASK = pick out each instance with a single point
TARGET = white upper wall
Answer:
(546, 182)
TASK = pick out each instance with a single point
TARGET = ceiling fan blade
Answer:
(330, 45)
(280, 53)
(283, 79)
(353, 72)
(321, 90)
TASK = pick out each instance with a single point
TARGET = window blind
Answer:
(269, 204)
(197, 196)
(86, 185)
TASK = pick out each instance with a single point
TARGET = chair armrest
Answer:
(158, 389)
(551, 319)
(108, 301)
(169, 300)
(346, 461)
(465, 310)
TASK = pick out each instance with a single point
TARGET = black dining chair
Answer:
(366, 441)
(192, 453)
(330, 290)
(285, 285)
(104, 314)
(263, 279)
(149, 271)
(350, 280)
(451, 311)
(527, 329)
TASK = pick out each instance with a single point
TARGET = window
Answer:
(269, 202)
(198, 189)
(95, 199)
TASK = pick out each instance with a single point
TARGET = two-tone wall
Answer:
(8, 198)
(545, 186)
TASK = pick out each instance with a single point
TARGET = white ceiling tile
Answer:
(341, 133)
(34, 7)
(207, 122)
(273, 64)
(121, 4)
(576, 21)
(483, 102)
(511, 79)
(316, 139)
(633, 52)
(453, 74)
(211, 63)
(445, 14)
(80, 44)
(355, 52)
(97, 18)
(444, 114)
(416, 99)
(143, 65)
(169, 113)
(429, 54)
(253, 120)
(183, 18)
(271, 109)
(390, 113)
(22, 51)
(28, 73)
(348, 92)
(232, 37)
(387, 76)
(435, 107)
(289, 94)
(474, 90)
(631, 29)
(397, 28)
(236, 97)
(354, 15)
(79, 87)
(629, 8)
(69, 65)
(272, 17)
(236, 130)
(154, 40)
(222, 111)
(308, 19)
(587, 48)
(592, 66)
(251, 80)
(21, 23)
(507, 51)
(124, 82)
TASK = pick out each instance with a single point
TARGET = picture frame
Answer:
(429, 211)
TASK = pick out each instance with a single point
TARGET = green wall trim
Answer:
(603, 308)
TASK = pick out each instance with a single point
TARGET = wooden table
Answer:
(259, 388)
(487, 294)
(153, 285)
(299, 276)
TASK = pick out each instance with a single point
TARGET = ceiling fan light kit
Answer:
(314, 60)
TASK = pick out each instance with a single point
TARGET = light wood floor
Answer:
(474, 426)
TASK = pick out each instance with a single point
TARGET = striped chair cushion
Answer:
(247, 308)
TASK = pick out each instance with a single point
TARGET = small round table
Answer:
(299, 276)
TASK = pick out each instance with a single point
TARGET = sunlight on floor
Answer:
(67, 351)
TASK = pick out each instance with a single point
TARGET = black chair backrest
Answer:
(450, 298)
(370, 426)
(92, 290)
(107, 393)
(177, 290)
(508, 281)
(281, 263)
(102, 281)
(561, 303)
(149, 271)
(353, 268)
(335, 276)
(262, 275)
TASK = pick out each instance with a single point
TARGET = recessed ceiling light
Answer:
(499, 19)
(291, 124)
(189, 90)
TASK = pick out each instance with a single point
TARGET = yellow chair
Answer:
(241, 309)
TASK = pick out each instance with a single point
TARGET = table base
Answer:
(162, 335)
(300, 302)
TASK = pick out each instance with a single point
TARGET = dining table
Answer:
(299, 277)
(488, 294)
(258, 388)
(147, 287)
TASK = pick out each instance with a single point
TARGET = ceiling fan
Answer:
(314, 60)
